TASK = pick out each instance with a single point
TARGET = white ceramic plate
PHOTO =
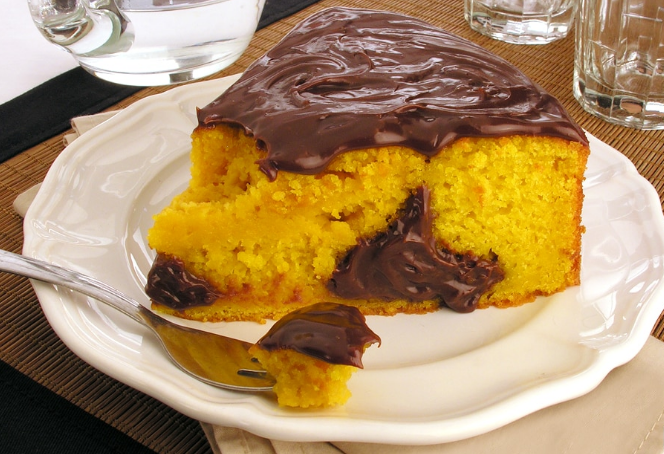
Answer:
(437, 377)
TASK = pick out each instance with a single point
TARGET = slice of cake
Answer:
(374, 160)
(312, 353)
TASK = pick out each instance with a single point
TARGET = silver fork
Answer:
(217, 360)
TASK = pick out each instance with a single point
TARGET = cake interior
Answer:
(303, 381)
(270, 247)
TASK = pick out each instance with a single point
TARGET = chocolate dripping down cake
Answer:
(374, 160)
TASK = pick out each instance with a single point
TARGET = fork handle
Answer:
(54, 274)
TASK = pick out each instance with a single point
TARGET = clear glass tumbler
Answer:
(149, 42)
(521, 21)
(619, 61)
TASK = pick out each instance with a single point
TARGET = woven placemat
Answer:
(29, 345)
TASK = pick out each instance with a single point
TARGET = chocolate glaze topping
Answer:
(348, 79)
(170, 284)
(332, 332)
(405, 263)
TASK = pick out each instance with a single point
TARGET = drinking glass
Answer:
(619, 61)
(149, 42)
(521, 21)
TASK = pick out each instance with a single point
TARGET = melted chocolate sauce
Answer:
(405, 263)
(332, 332)
(170, 284)
(347, 79)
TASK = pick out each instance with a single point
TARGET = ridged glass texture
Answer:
(619, 63)
(521, 21)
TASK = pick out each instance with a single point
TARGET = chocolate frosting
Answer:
(332, 332)
(170, 284)
(347, 79)
(405, 263)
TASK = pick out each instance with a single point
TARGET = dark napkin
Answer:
(36, 420)
(46, 110)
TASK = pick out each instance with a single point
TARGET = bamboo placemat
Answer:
(26, 340)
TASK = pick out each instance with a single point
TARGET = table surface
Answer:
(27, 342)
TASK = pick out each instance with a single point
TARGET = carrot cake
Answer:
(374, 160)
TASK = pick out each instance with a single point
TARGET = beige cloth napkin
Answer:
(623, 415)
